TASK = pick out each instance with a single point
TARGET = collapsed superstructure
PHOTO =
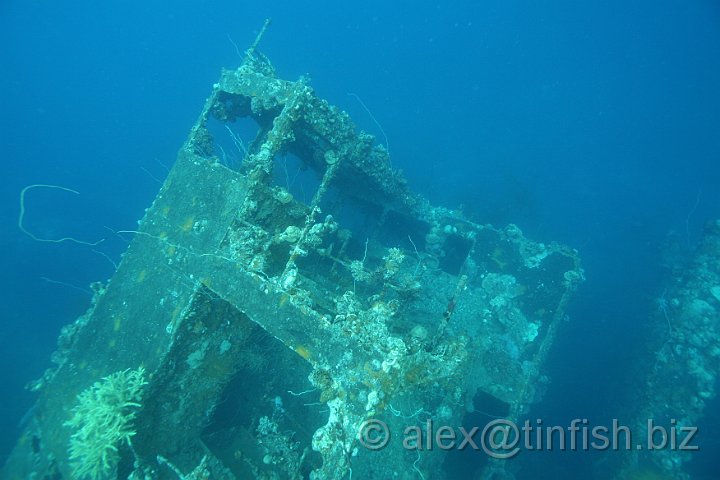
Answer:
(261, 316)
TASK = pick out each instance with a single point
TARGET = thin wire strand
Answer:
(21, 217)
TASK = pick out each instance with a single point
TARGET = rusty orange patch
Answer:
(188, 224)
(303, 352)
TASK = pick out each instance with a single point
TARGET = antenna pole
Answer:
(251, 51)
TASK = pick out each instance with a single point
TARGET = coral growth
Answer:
(102, 420)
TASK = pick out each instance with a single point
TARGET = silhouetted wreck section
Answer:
(676, 378)
(285, 287)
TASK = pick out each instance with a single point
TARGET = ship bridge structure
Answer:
(285, 298)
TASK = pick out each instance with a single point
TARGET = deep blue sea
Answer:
(593, 124)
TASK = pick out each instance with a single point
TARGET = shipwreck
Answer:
(285, 288)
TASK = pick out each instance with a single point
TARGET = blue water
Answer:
(596, 124)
